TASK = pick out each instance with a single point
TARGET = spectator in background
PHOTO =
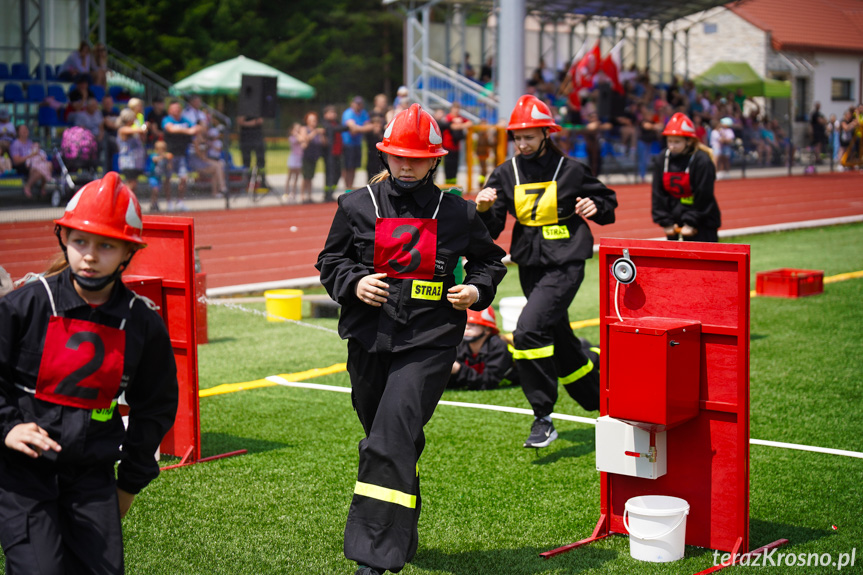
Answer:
(30, 161)
(201, 162)
(90, 118)
(818, 125)
(5, 158)
(313, 149)
(7, 128)
(332, 150)
(132, 154)
(99, 67)
(110, 121)
(453, 129)
(78, 64)
(721, 142)
(648, 134)
(402, 96)
(195, 114)
(252, 141)
(356, 119)
(158, 172)
(154, 121)
(378, 121)
(295, 164)
(178, 136)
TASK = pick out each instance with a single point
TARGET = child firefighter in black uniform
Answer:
(483, 360)
(70, 344)
(683, 202)
(550, 195)
(389, 261)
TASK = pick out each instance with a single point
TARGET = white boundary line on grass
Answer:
(562, 416)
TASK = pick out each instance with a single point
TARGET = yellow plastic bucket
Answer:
(284, 304)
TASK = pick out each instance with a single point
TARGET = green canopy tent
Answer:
(729, 76)
(226, 78)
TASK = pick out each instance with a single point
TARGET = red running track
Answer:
(257, 245)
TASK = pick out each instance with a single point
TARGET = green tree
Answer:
(340, 47)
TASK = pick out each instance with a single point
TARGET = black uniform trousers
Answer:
(59, 519)
(395, 395)
(545, 349)
(450, 166)
(703, 235)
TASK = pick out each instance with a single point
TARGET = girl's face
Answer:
(312, 121)
(677, 144)
(528, 140)
(95, 256)
(410, 169)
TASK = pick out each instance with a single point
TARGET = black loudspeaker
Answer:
(258, 96)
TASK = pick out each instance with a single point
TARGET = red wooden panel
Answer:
(170, 256)
(708, 456)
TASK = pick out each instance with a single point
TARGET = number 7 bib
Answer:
(82, 363)
(406, 247)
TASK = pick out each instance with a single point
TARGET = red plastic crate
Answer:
(787, 282)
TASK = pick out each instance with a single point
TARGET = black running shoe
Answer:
(542, 433)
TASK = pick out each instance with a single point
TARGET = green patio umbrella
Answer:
(133, 87)
(227, 77)
(729, 76)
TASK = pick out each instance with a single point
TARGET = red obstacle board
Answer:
(165, 272)
(708, 456)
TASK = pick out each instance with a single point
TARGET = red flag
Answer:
(610, 66)
(583, 72)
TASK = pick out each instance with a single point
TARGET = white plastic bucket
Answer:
(510, 309)
(656, 526)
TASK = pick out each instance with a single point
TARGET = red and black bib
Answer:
(82, 362)
(405, 248)
(677, 184)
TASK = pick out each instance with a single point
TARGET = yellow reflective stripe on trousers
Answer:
(577, 374)
(384, 494)
(537, 353)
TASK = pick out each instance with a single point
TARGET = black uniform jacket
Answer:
(149, 377)
(667, 210)
(485, 370)
(404, 322)
(574, 180)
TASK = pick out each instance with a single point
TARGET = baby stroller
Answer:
(78, 155)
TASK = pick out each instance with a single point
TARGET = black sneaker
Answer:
(363, 570)
(542, 433)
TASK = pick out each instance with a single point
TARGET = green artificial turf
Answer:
(489, 505)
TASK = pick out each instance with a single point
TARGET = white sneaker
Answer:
(181, 207)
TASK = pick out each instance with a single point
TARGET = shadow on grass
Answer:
(755, 336)
(521, 561)
(763, 532)
(582, 442)
(218, 443)
(223, 339)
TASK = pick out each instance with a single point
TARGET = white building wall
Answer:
(838, 66)
(734, 40)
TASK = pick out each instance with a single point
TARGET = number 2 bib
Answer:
(405, 247)
(536, 203)
(82, 363)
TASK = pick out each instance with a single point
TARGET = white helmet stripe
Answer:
(486, 315)
(74, 201)
(537, 115)
(133, 220)
(434, 135)
(388, 132)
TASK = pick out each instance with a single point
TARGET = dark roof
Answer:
(660, 11)
(807, 25)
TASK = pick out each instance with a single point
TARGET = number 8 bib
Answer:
(82, 363)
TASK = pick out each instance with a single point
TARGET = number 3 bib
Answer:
(405, 247)
(82, 363)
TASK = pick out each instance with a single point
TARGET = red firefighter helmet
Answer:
(531, 112)
(107, 208)
(680, 125)
(485, 318)
(413, 133)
